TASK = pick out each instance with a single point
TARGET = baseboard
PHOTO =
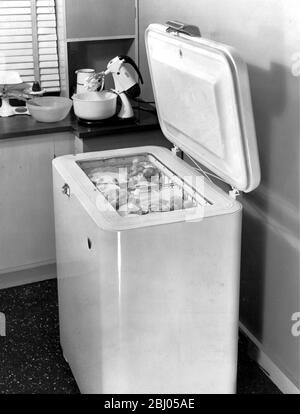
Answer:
(24, 277)
(275, 374)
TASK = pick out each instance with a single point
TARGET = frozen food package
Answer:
(140, 185)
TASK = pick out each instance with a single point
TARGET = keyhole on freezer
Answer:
(89, 242)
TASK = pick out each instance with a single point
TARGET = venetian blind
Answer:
(28, 41)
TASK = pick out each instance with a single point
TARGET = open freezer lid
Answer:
(203, 100)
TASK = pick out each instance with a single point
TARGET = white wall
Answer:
(267, 34)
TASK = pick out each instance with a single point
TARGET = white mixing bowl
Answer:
(49, 108)
(94, 106)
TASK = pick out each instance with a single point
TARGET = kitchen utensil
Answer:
(34, 103)
(49, 108)
(12, 87)
(82, 76)
(95, 82)
(8, 80)
(125, 83)
(95, 105)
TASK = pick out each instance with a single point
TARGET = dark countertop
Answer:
(144, 120)
(24, 125)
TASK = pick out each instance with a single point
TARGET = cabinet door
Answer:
(26, 203)
(63, 144)
(99, 18)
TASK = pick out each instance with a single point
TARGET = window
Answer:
(28, 41)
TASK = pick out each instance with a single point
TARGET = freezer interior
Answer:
(141, 184)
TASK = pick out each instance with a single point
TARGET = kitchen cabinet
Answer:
(94, 19)
(26, 203)
(91, 33)
(63, 144)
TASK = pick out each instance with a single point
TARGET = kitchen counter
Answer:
(24, 125)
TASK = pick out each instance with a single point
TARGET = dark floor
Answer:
(31, 361)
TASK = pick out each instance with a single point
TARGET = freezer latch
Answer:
(66, 189)
(179, 27)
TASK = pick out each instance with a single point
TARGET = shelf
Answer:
(93, 39)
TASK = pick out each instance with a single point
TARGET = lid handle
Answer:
(179, 27)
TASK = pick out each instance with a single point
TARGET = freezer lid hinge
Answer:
(175, 150)
(176, 27)
(234, 193)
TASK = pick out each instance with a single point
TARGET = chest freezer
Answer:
(148, 248)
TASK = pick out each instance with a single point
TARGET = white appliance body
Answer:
(147, 307)
(149, 303)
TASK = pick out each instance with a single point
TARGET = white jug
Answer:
(82, 75)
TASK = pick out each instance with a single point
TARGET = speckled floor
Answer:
(31, 361)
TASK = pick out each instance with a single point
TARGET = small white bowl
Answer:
(49, 108)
